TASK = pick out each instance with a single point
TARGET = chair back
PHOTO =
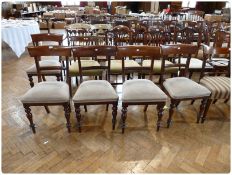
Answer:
(121, 35)
(38, 51)
(221, 37)
(148, 52)
(84, 40)
(93, 51)
(177, 51)
(50, 37)
(218, 58)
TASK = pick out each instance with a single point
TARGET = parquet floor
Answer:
(186, 147)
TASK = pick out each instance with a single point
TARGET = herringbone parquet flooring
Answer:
(186, 147)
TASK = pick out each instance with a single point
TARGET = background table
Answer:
(17, 33)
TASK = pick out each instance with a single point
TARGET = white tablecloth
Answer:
(17, 33)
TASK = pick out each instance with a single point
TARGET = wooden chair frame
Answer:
(36, 39)
(37, 52)
(94, 51)
(143, 51)
(179, 50)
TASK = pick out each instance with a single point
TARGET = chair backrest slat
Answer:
(141, 51)
(93, 51)
(38, 51)
(36, 38)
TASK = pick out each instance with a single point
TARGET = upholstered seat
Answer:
(44, 64)
(219, 86)
(95, 91)
(142, 90)
(195, 63)
(47, 92)
(182, 87)
(116, 65)
(157, 66)
(220, 61)
(74, 68)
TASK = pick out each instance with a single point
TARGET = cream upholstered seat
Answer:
(142, 90)
(47, 92)
(184, 88)
(195, 63)
(157, 66)
(44, 64)
(95, 91)
(74, 68)
(219, 86)
(116, 65)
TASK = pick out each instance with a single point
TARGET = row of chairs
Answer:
(135, 91)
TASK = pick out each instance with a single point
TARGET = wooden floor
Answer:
(186, 147)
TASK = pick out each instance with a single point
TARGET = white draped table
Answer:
(17, 33)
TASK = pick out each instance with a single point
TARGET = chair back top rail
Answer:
(36, 38)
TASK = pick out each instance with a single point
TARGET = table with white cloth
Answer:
(17, 33)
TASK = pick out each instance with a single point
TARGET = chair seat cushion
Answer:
(182, 87)
(195, 63)
(157, 66)
(47, 92)
(220, 61)
(44, 64)
(219, 86)
(116, 65)
(74, 68)
(141, 90)
(94, 91)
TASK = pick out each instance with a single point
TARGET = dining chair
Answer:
(48, 39)
(49, 93)
(94, 92)
(140, 91)
(73, 70)
(218, 80)
(181, 88)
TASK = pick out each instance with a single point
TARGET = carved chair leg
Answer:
(226, 100)
(77, 81)
(67, 110)
(114, 114)
(58, 78)
(172, 106)
(70, 85)
(177, 104)
(78, 116)
(206, 110)
(30, 80)
(107, 107)
(214, 101)
(160, 109)
(128, 76)
(202, 109)
(192, 102)
(145, 108)
(123, 117)
(190, 74)
(29, 116)
(85, 106)
(47, 109)
(43, 77)
(61, 76)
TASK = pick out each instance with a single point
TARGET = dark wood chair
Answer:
(218, 80)
(140, 91)
(47, 39)
(73, 70)
(120, 35)
(49, 93)
(181, 88)
(94, 92)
